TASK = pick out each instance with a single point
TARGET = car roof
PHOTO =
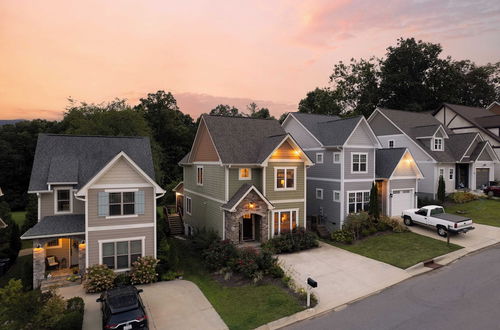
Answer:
(432, 206)
(122, 299)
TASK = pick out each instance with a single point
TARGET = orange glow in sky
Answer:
(211, 52)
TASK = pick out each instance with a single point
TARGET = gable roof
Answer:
(243, 140)
(480, 117)
(240, 194)
(388, 159)
(460, 143)
(85, 155)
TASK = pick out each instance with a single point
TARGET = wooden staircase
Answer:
(322, 231)
(174, 221)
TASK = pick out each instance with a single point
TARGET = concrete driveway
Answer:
(342, 276)
(170, 305)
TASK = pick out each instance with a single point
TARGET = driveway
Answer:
(170, 305)
(342, 276)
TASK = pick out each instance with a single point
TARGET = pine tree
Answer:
(373, 208)
(441, 193)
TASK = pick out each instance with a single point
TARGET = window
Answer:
(438, 144)
(199, 175)
(319, 158)
(358, 201)
(63, 201)
(321, 210)
(121, 203)
(336, 196)
(54, 244)
(284, 178)
(319, 193)
(245, 174)
(451, 174)
(121, 255)
(359, 163)
(336, 157)
(189, 205)
(441, 172)
(284, 221)
(391, 143)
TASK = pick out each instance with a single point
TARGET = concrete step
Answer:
(322, 231)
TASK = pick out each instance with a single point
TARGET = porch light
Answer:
(408, 161)
(82, 244)
(251, 205)
(38, 248)
(296, 152)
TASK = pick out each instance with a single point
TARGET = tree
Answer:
(226, 110)
(321, 101)
(374, 207)
(31, 213)
(283, 117)
(441, 192)
(260, 113)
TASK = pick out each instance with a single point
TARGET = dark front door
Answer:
(462, 178)
(482, 177)
(248, 229)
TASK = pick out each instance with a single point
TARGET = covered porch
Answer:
(59, 248)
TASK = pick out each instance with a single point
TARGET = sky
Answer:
(212, 52)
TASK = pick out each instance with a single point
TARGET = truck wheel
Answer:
(407, 221)
(442, 231)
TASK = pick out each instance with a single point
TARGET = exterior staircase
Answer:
(175, 224)
(323, 232)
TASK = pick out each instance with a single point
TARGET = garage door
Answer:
(402, 199)
(482, 177)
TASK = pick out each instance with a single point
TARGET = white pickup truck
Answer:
(434, 216)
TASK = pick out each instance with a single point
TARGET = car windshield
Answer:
(437, 210)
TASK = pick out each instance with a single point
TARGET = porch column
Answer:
(264, 228)
(38, 264)
(82, 250)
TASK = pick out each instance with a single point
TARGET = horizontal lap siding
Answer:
(121, 172)
(94, 220)
(403, 184)
(235, 183)
(60, 253)
(213, 180)
(298, 193)
(328, 169)
(205, 213)
(331, 209)
(95, 236)
(348, 163)
(47, 205)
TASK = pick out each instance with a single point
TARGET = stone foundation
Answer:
(38, 264)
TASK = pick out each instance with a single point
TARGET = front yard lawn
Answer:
(482, 211)
(399, 249)
(19, 217)
(241, 307)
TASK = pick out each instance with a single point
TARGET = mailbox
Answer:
(312, 283)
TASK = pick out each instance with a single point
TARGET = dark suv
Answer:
(122, 309)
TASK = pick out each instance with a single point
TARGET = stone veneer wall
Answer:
(235, 219)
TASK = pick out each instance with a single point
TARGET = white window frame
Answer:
(122, 215)
(356, 202)
(352, 162)
(58, 246)
(389, 143)
(198, 182)
(441, 144)
(70, 200)
(115, 240)
(451, 174)
(189, 209)
(441, 169)
(279, 217)
(320, 191)
(338, 198)
(340, 157)
(249, 173)
(294, 178)
(319, 155)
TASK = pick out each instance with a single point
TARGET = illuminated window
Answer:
(284, 221)
(199, 175)
(245, 174)
(285, 178)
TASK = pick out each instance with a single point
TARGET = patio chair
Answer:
(51, 262)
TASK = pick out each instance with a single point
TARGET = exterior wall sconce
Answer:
(251, 205)
(82, 244)
(38, 248)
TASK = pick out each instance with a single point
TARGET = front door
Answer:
(248, 232)
(462, 177)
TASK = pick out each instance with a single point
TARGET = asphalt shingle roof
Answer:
(57, 225)
(477, 150)
(459, 143)
(387, 160)
(238, 195)
(74, 158)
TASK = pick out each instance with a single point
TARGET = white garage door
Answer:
(402, 199)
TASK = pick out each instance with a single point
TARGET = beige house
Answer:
(96, 203)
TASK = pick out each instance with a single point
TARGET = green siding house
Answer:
(244, 178)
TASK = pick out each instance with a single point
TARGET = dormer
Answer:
(433, 136)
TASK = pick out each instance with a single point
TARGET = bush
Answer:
(396, 225)
(75, 304)
(70, 321)
(168, 257)
(98, 278)
(246, 262)
(343, 236)
(424, 201)
(461, 197)
(144, 270)
(297, 240)
(356, 223)
(122, 279)
(218, 254)
(169, 276)
(203, 238)
(276, 272)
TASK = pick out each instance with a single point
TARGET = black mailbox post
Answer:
(312, 283)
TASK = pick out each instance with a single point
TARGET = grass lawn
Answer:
(19, 217)
(399, 249)
(483, 211)
(16, 270)
(241, 307)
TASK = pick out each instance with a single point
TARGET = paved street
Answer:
(463, 295)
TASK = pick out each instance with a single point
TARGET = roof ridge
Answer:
(340, 119)
(237, 117)
(97, 136)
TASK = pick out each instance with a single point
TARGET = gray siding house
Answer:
(465, 160)
(96, 203)
(244, 178)
(347, 162)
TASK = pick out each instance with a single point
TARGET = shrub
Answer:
(266, 260)
(70, 321)
(297, 240)
(203, 238)
(356, 222)
(382, 226)
(75, 304)
(424, 201)
(441, 192)
(218, 254)
(461, 197)
(144, 270)
(246, 262)
(343, 236)
(98, 278)
(169, 276)
(396, 225)
(276, 272)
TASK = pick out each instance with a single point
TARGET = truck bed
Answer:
(450, 217)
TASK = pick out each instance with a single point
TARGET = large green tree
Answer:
(260, 113)
(320, 101)
(226, 110)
